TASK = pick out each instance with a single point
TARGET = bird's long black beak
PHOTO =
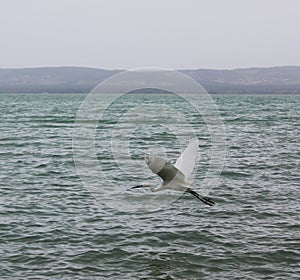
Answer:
(136, 187)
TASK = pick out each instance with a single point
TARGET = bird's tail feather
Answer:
(205, 200)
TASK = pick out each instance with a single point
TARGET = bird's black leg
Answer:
(205, 200)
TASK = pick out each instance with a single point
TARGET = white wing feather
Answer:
(186, 161)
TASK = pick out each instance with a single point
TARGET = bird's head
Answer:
(155, 164)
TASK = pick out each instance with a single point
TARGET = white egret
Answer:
(175, 176)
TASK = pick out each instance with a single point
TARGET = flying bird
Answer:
(175, 176)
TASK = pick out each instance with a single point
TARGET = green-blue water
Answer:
(51, 226)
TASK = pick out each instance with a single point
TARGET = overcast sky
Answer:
(127, 34)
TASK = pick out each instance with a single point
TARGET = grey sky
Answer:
(141, 33)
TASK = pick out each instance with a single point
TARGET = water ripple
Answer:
(52, 227)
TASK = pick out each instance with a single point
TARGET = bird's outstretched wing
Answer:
(169, 172)
(187, 159)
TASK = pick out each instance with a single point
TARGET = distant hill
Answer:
(283, 79)
(52, 79)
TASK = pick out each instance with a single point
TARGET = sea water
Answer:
(52, 226)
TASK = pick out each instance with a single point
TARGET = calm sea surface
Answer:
(52, 227)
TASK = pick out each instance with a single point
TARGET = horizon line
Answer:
(122, 69)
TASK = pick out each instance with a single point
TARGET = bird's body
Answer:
(175, 176)
(172, 177)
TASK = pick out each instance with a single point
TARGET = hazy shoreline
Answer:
(272, 80)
